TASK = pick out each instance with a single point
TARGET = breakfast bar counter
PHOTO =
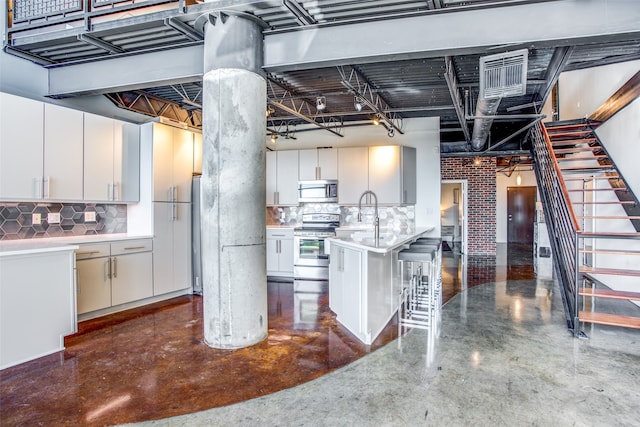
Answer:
(364, 279)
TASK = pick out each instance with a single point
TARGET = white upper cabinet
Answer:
(282, 178)
(319, 163)
(111, 160)
(21, 148)
(63, 153)
(388, 171)
(353, 174)
(172, 164)
(197, 153)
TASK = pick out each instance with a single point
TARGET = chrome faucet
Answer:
(376, 220)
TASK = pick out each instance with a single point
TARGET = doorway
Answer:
(521, 213)
(453, 214)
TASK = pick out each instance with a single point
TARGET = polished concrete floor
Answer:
(501, 355)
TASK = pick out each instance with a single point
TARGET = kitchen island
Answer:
(364, 279)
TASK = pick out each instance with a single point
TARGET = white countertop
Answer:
(363, 239)
(52, 244)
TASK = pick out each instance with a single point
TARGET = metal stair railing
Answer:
(561, 222)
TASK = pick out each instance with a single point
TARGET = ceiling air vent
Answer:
(504, 74)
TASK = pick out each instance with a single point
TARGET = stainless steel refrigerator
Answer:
(196, 248)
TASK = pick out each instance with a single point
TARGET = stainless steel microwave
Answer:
(320, 191)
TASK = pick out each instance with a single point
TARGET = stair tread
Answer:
(588, 234)
(612, 202)
(576, 149)
(576, 158)
(587, 167)
(609, 271)
(609, 319)
(567, 135)
(609, 251)
(610, 294)
(589, 177)
(582, 190)
(608, 217)
(573, 141)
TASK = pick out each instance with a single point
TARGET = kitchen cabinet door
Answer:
(287, 179)
(182, 164)
(98, 158)
(273, 256)
(197, 153)
(308, 164)
(126, 162)
(353, 174)
(384, 174)
(271, 177)
(162, 162)
(328, 163)
(132, 277)
(182, 247)
(409, 176)
(351, 290)
(286, 256)
(63, 153)
(172, 164)
(171, 247)
(21, 148)
(93, 285)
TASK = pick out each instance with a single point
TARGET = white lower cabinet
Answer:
(111, 274)
(171, 247)
(345, 282)
(280, 252)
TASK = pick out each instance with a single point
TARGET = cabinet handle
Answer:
(87, 253)
(116, 191)
(174, 209)
(175, 194)
(133, 248)
(107, 269)
(115, 267)
(318, 172)
(109, 191)
(78, 288)
(47, 187)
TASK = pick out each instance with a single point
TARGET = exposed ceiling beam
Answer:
(557, 23)
(300, 108)
(557, 63)
(184, 28)
(451, 78)
(101, 44)
(421, 36)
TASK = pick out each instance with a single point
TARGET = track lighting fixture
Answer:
(391, 133)
(321, 103)
(476, 161)
(274, 138)
(518, 179)
(357, 104)
(376, 120)
(270, 110)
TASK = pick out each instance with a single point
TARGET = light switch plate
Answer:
(89, 217)
(36, 218)
(53, 217)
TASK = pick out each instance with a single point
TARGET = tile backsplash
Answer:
(16, 220)
(392, 218)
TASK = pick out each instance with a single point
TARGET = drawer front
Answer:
(94, 250)
(131, 247)
(279, 233)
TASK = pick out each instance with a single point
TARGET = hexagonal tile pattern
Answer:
(16, 220)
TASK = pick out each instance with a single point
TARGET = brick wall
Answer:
(481, 209)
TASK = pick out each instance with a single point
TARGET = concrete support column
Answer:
(233, 183)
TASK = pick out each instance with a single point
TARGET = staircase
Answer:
(594, 224)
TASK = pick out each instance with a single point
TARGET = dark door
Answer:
(521, 212)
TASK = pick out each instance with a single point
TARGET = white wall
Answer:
(581, 92)
(423, 134)
(502, 182)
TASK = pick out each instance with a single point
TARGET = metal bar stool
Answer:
(416, 305)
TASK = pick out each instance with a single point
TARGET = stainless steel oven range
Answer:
(310, 259)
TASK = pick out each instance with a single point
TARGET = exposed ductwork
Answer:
(501, 75)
